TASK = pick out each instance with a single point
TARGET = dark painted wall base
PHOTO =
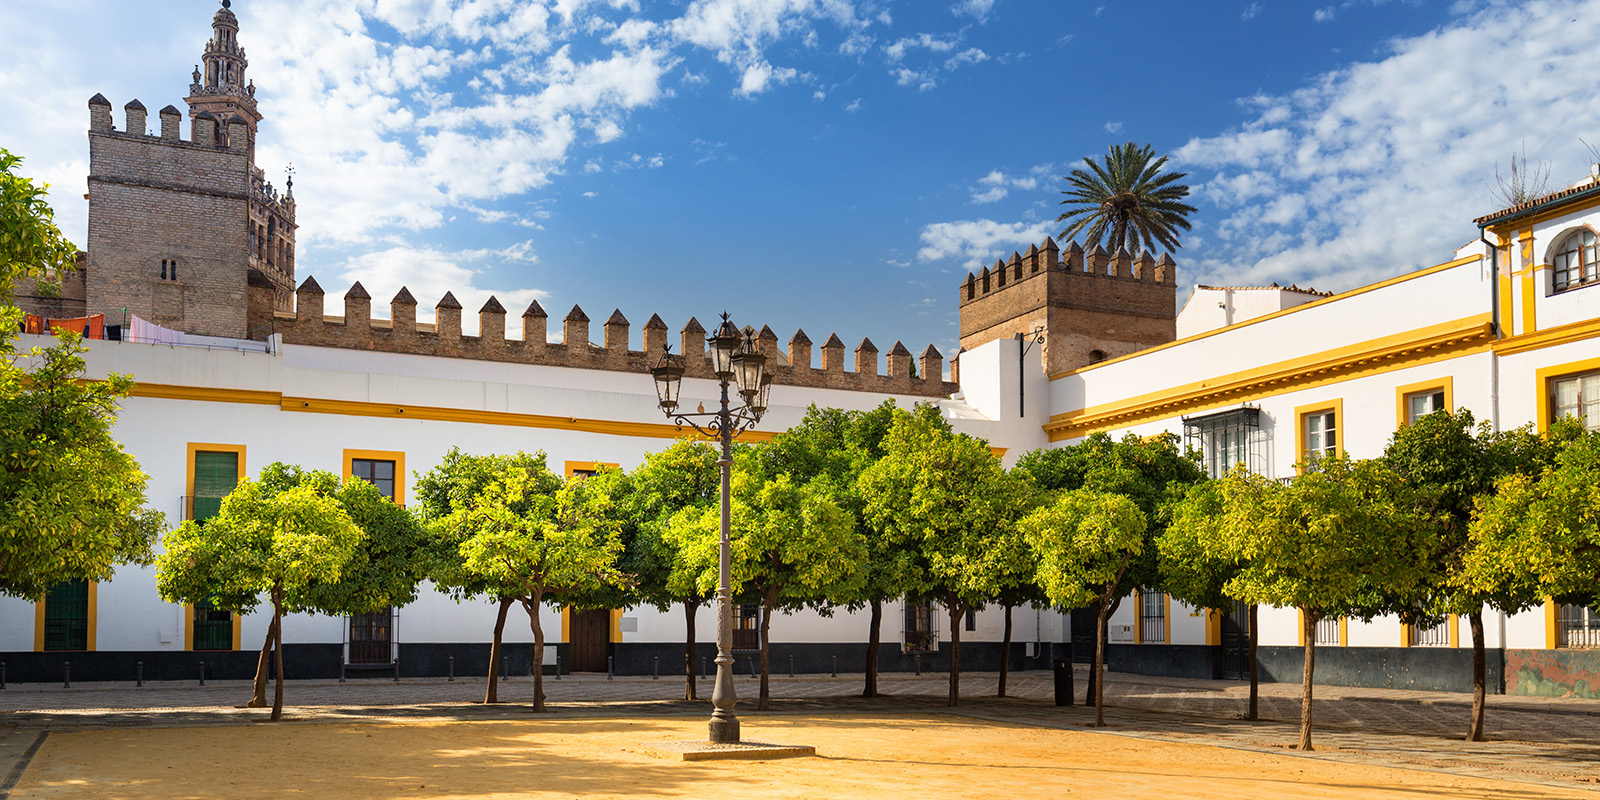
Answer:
(1434, 669)
(1553, 673)
(299, 661)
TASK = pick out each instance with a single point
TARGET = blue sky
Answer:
(835, 165)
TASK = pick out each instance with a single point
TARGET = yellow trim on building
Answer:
(1213, 627)
(1455, 631)
(1340, 426)
(1544, 375)
(397, 456)
(1274, 315)
(205, 394)
(1425, 345)
(652, 430)
(1166, 635)
(1551, 613)
(1530, 295)
(1549, 337)
(91, 635)
(566, 625)
(588, 466)
(1404, 392)
(1344, 631)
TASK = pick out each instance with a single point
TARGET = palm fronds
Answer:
(1126, 200)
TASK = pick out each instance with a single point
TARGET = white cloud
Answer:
(973, 8)
(1324, 14)
(758, 76)
(1250, 11)
(1380, 167)
(997, 185)
(853, 106)
(979, 242)
(925, 41)
(1113, 127)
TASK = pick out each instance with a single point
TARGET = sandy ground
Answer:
(928, 756)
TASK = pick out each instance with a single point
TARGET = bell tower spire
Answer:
(220, 85)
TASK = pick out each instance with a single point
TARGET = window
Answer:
(169, 269)
(1577, 396)
(1577, 626)
(213, 627)
(66, 616)
(1575, 261)
(213, 472)
(1436, 636)
(747, 626)
(1317, 430)
(1328, 631)
(1226, 439)
(1416, 400)
(585, 469)
(971, 620)
(370, 637)
(918, 633)
(1422, 404)
(385, 469)
(1152, 617)
(379, 473)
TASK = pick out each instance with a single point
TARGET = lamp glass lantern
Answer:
(668, 373)
(725, 344)
(749, 367)
(758, 404)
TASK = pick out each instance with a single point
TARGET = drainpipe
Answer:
(1494, 325)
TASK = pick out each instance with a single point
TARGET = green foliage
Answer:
(393, 559)
(683, 476)
(1190, 570)
(1084, 542)
(30, 242)
(1539, 536)
(1340, 541)
(1126, 199)
(285, 533)
(946, 508)
(1453, 465)
(71, 499)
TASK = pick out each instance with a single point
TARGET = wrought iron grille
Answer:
(1227, 438)
(213, 627)
(1152, 617)
(918, 631)
(66, 616)
(1328, 631)
(1578, 626)
(747, 626)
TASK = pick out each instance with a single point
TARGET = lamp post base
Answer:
(724, 730)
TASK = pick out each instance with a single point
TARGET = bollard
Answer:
(341, 669)
(2, 674)
(611, 668)
(916, 661)
(505, 662)
(397, 669)
(835, 672)
(202, 673)
(452, 667)
(702, 666)
(558, 667)
(66, 674)
(1063, 682)
(791, 665)
(138, 675)
(753, 672)
(655, 668)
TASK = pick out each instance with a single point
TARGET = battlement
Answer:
(401, 333)
(1090, 305)
(206, 130)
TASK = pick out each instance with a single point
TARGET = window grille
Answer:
(1328, 631)
(1577, 396)
(918, 633)
(1227, 439)
(1578, 626)
(370, 637)
(971, 620)
(1436, 636)
(1575, 261)
(747, 626)
(213, 627)
(1421, 404)
(1152, 617)
(377, 473)
(66, 616)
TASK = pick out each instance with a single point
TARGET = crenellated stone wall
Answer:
(401, 333)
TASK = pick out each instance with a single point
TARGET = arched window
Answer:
(1575, 260)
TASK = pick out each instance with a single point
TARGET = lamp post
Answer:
(734, 361)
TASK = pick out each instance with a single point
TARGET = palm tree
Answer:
(1126, 197)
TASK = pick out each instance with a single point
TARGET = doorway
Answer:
(371, 636)
(589, 639)
(1236, 642)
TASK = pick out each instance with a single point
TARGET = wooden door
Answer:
(1236, 642)
(589, 639)
(370, 636)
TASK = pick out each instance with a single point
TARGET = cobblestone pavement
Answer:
(1544, 740)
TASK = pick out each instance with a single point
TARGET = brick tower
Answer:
(177, 224)
(1090, 306)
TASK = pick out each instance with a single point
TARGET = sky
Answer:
(831, 165)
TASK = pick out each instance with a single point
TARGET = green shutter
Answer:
(215, 474)
(66, 616)
(213, 628)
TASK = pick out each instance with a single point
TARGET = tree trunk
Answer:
(874, 638)
(258, 697)
(493, 694)
(1005, 652)
(1479, 678)
(690, 606)
(1255, 677)
(955, 653)
(1088, 691)
(1097, 672)
(277, 653)
(769, 600)
(1305, 681)
(532, 606)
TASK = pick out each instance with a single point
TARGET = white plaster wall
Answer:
(1210, 308)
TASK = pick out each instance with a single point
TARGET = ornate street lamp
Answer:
(734, 360)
